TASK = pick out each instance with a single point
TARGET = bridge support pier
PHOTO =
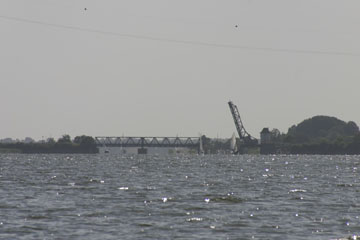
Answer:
(142, 151)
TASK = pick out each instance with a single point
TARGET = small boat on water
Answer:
(233, 145)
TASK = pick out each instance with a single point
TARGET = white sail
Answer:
(201, 150)
(233, 145)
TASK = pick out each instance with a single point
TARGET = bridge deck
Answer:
(189, 142)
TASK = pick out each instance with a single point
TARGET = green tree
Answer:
(65, 139)
(50, 140)
(320, 128)
(84, 140)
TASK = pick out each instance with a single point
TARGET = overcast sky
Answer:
(169, 67)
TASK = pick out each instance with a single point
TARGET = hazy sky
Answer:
(169, 67)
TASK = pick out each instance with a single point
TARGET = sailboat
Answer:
(233, 145)
(201, 149)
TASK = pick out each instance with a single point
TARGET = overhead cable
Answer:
(186, 42)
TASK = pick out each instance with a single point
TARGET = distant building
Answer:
(267, 143)
(265, 136)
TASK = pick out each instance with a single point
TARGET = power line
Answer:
(187, 42)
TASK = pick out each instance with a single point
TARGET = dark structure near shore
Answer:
(266, 145)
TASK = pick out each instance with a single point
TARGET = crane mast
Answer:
(243, 134)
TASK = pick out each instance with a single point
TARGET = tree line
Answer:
(80, 144)
(317, 135)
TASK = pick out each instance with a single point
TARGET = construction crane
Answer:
(244, 136)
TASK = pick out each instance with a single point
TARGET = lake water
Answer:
(179, 197)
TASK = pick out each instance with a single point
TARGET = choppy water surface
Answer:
(173, 197)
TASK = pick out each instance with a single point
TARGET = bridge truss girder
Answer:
(186, 142)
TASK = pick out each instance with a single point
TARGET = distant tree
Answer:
(292, 130)
(28, 140)
(351, 128)
(354, 146)
(320, 128)
(50, 140)
(275, 135)
(84, 140)
(65, 139)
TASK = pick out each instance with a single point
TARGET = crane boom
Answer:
(243, 134)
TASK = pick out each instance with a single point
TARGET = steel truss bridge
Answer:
(144, 142)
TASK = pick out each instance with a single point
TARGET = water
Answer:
(178, 197)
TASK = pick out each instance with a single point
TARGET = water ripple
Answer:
(179, 197)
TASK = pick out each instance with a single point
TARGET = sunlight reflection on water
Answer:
(189, 197)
